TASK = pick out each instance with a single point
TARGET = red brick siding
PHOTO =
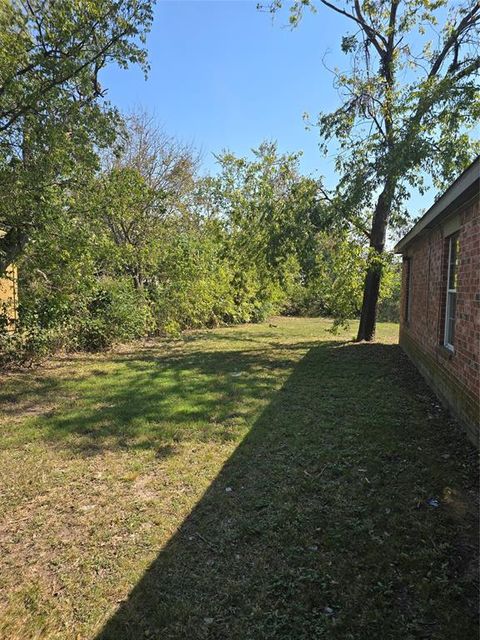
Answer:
(428, 258)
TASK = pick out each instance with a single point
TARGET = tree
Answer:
(265, 206)
(167, 164)
(409, 102)
(53, 114)
(143, 194)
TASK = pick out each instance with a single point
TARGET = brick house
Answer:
(440, 301)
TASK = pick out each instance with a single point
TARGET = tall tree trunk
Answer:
(381, 215)
(371, 290)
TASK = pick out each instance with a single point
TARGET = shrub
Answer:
(116, 312)
(26, 347)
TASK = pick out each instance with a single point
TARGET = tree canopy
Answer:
(53, 115)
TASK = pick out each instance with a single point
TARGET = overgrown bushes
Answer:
(150, 248)
(116, 312)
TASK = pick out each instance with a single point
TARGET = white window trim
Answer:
(446, 343)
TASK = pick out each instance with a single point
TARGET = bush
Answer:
(197, 290)
(26, 347)
(116, 312)
(389, 301)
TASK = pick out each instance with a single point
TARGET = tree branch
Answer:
(360, 20)
(471, 18)
(18, 113)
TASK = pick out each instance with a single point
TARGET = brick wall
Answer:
(455, 376)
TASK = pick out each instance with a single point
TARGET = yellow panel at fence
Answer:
(9, 296)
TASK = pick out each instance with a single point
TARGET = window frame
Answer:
(448, 335)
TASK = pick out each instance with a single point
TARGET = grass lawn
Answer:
(244, 483)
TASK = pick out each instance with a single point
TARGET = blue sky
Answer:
(224, 75)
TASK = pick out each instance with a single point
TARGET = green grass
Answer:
(257, 482)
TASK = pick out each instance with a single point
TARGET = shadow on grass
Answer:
(144, 399)
(316, 527)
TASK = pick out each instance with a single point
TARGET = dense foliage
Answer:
(147, 246)
(53, 112)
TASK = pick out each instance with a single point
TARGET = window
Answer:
(451, 301)
(408, 288)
